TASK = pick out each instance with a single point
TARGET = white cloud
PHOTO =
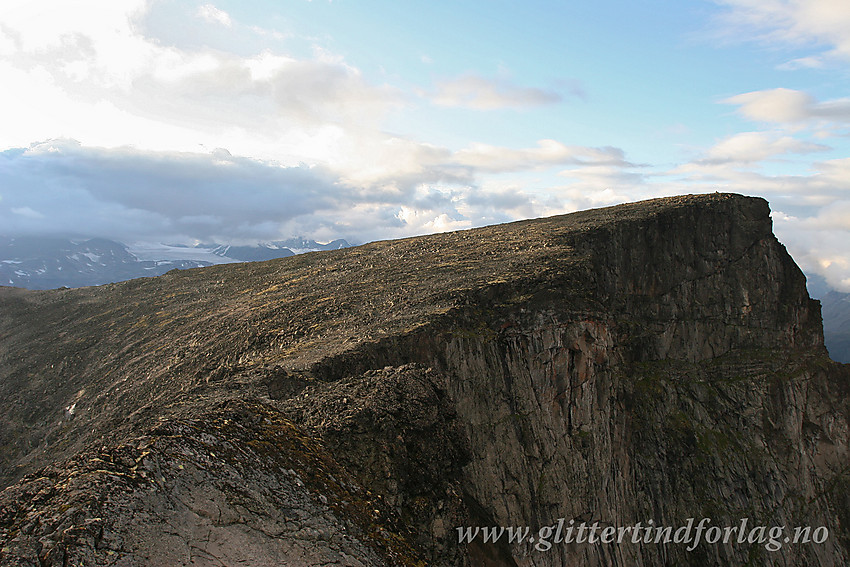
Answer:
(774, 105)
(818, 242)
(787, 106)
(390, 163)
(834, 217)
(484, 157)
(473, 91)
(99, 80)
(399, 164)
(212, 14)
(794, 23)
(598, 178)
(40, 27)
(749, 147)
(424, 221)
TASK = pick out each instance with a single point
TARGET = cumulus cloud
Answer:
(391, 163)
(480, 93)
(794, 22)
(749, 147)
(788, 106)
(403, 164)
(818, 241)
(774, 105)
(104, 82)
(835, 217)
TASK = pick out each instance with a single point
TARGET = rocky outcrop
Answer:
(239, 485)
(397, 432)
(650, 364)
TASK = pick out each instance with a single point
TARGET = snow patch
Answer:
(146, 252)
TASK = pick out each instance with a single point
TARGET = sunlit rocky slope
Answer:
(659, 360)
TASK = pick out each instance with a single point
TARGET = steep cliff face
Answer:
(650, 362)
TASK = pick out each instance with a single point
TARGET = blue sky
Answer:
(187, 121)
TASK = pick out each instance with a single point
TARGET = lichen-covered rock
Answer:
(239, 485)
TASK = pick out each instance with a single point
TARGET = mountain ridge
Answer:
(598, 365)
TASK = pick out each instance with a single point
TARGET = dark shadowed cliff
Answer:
(653, 361)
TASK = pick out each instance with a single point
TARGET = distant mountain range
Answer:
(836, 324)
(47, 262)
(272, 250)
(835, 307)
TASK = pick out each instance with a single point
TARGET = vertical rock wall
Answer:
(691, 383)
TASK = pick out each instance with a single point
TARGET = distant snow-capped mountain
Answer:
(276, 249)
(35, 262)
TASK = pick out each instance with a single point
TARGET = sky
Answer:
(185, 121)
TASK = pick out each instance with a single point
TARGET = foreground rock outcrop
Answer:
(650, 364)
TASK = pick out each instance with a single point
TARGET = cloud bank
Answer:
(62, 187)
